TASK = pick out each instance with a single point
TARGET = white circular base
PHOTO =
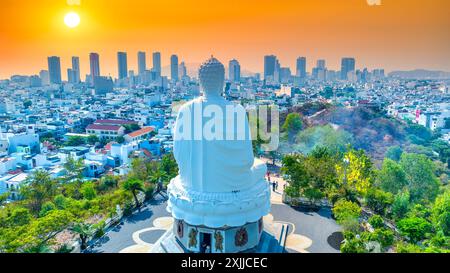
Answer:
(217, 210)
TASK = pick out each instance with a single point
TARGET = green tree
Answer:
(84, 231)
(133, 185)
(376, 221)
(27, 104)
(4, 197)
(403, 247)
(139, 169)
(312, 176)
(441, 213)
(92, 139)
(378, 200)
(74, 168)
(131, 128)
(18, 216)
(422, 182)
(400, 206)
(336, 140)
(414, 229)
(46, 208)
(88, 191)
(391, 177)
(443, 149)
(38, 188)
(42, 230)
(292, 125)
(120, 139)
(394, 153)
(383, 236)
(75, 141)
(344, 210)
(169, 166)
(327, 92)
(355, 172)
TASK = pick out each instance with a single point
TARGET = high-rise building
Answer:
(321, 64)
(174, 68)
(301, 67)
(182, 70)
(269, 66)
(94, 60)
(76, 69)
(347, 65)
(234, 71)
(277, 72)
(71, 75)
(54, 69)
(122, 65)
(45, 77)
(142, 63)
(285, 74)
(157, 62)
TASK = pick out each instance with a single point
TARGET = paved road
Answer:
(120, 237)
(317, 227)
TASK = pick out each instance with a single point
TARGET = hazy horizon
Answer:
(397, 35)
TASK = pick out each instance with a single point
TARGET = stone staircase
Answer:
(273, 239)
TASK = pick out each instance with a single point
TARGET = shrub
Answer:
(378, 200)
(376, 221)
(344, 210)
(414, 228)
(400, 206)
(384, 236)
(46, 208)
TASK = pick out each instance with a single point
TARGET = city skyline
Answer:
(398, 35)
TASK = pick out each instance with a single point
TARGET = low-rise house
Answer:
(7, 164)
(142, 134)
(105, 131)
(14, 184)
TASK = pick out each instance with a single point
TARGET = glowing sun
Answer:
(72, 19)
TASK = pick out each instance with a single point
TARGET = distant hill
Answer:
(420, 74)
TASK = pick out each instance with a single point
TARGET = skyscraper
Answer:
(234, 71)
(94, 60)
(71, 75)
(157, 62)
(76, 69)
(122, 65)
(301, 67)
(321, 64)
(347, 65)
(45, 77)
(269, 66)
(174, 67)
(54, 69)
(182, 71)
(142, 63)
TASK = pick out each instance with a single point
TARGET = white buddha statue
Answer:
(220, 183)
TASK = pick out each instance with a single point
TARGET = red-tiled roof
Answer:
(103, 127)
(108, 145)
(114, 121)
(141, 132)
(147, 152)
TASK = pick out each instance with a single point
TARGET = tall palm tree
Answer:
(134, 185)
(85, 231)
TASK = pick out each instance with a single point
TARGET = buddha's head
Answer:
(212, 77)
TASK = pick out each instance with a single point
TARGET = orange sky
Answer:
(399, 34)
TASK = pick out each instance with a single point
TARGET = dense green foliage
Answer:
(406, 194)
(50, 206)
